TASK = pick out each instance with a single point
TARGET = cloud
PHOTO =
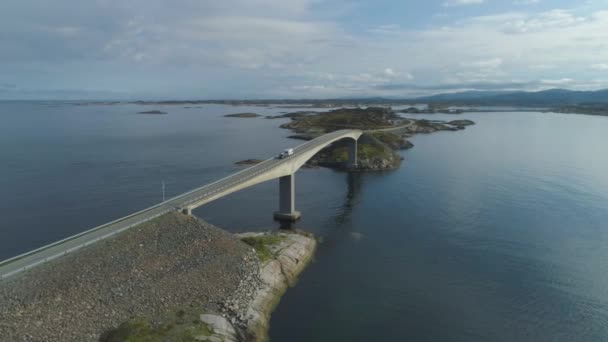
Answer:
(560, 82)
(526, 2)
(484, 64)
(452, 3)
(389, 72)
(243, 48)
(601, 66)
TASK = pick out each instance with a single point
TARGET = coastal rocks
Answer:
(290, 253)
(431, 126)
(242, 115)
(249, 162)
(302, 136)
(461, 124)
(152, 112)
(222, 330)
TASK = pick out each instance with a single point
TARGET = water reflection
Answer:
(344, 211)
(353, 182)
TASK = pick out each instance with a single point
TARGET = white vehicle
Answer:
(288, 152)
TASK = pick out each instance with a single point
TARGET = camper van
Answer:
(285, 153)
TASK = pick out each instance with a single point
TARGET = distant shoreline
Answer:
(433, 107)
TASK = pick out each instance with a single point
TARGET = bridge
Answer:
(273, 168)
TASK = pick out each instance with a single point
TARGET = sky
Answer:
(270, 49)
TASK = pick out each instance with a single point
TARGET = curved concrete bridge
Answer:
(283, 169)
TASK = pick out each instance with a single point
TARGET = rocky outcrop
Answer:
(372, 155)
(461, 124)
(152, 112)
(242, 115)
(368, 118)
(249, 162)
(290, 256)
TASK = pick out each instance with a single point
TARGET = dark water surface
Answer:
(496, 233)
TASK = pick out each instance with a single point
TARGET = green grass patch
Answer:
(262, 243)
(368, 151)
(388, 138)
(183, 327)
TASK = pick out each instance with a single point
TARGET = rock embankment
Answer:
(173, 278)
(288, 254)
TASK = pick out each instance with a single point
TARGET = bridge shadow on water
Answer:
(353, 181)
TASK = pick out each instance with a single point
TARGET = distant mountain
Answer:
(545, 98)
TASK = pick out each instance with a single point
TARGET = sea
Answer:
(495, 233)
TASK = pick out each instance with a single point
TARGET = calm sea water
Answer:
(496, 233)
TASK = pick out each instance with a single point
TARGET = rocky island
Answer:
(175, 278)
(249, 162)
(385, 132)
(242, 115)
(152, 112)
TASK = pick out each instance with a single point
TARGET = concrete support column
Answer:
(287, 201)
(352, 154)
(187, 211)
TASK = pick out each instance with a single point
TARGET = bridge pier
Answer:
(287, 201)
(352, 154)
(187, 211)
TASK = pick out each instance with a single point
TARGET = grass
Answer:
(262, 243)
(368, 151)
(181, 327)
(365, 151)
(348, 118)
(388, 138)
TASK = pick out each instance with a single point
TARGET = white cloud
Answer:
(560, 82)
(276, 46)
(452, 3)
(601, 66)
(526, 2)
(484, 64)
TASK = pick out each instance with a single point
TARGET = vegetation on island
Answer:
(385, 132)
(372, 154)
(181, 326)
(394, 141)
(262, 244)
(343, 118)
